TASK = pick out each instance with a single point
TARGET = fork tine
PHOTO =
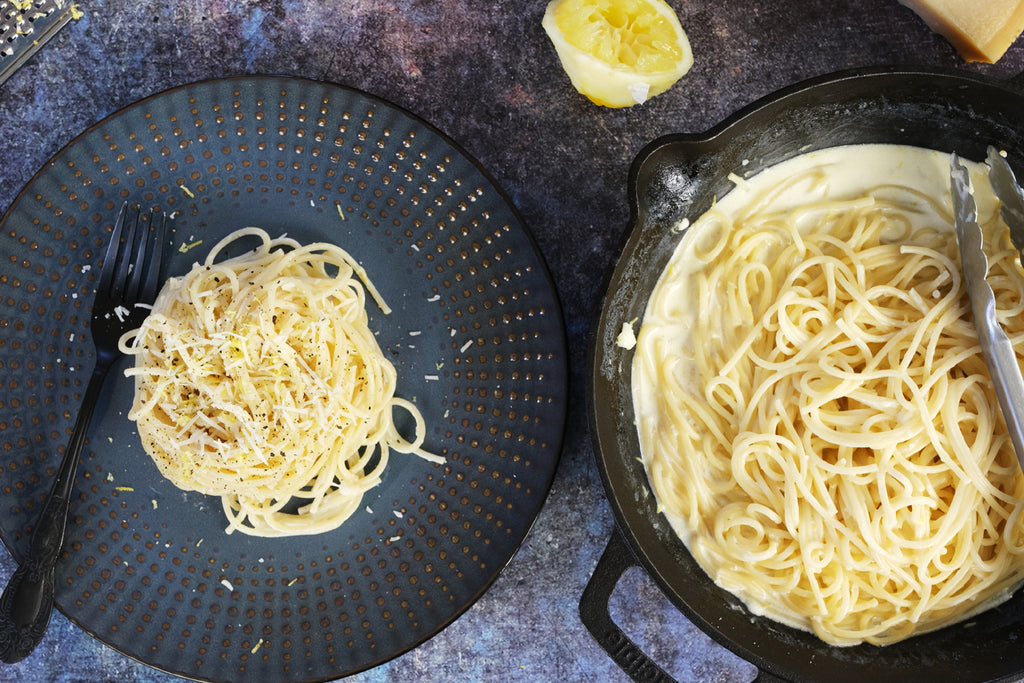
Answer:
(110, 258)
(125, 265)
(157, 223)
(139, 268)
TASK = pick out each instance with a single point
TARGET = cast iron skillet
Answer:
(678, 176)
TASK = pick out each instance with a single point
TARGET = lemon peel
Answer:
(618, 53)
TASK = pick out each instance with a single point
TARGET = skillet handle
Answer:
(596, 616)
(594, 613)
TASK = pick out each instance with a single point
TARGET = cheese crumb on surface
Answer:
(980, 31)
(681, 226)
(626, 338)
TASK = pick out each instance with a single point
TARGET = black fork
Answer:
(129, 280)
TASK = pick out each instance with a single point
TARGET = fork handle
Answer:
(27, 601)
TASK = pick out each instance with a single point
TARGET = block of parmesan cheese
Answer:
(980, 30)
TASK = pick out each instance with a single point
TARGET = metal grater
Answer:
(25, 25)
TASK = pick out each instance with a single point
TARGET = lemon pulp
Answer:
(618, 52)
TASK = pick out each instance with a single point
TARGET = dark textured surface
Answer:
(486, 75)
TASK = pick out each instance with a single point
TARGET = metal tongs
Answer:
(995, 345)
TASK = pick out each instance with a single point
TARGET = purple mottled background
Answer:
(485, 74)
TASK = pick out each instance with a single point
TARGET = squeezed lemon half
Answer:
(618, 52)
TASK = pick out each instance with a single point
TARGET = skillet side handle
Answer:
(594, 613)
(596, 616)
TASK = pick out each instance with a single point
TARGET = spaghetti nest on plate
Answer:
(259, 380)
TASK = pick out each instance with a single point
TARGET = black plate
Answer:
(476, 336)
(679, 176)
